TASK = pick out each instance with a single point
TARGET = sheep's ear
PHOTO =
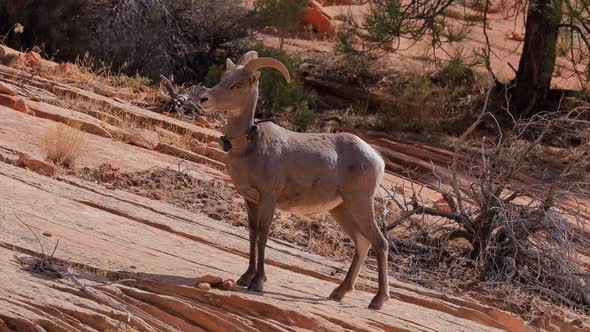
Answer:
(229, 64)
(254, 77)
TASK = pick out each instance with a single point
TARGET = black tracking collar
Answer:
(250, 136)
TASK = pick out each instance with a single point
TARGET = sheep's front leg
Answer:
(266, 210)
(247, 277)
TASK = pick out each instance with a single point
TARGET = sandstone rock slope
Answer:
(145, 256)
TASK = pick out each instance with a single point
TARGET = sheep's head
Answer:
(238, 84)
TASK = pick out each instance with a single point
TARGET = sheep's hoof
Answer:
(246, 279)
(257, 283)
(338, 293)
(378, 301)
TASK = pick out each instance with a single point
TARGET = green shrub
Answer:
(214, 75)
(455, 73)
(418, 103)
(443, 101)
(275, 92)
(415, 107)
(304, 117)
(456, 34)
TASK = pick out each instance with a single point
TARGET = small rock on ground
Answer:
(228, 285)
(38, 166)
(145, 138)
(211, 280)
(203, 286)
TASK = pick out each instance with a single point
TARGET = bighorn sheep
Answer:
(302, 173)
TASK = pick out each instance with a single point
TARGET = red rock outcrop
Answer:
(16, 103)
(4, 90)
(315, 16)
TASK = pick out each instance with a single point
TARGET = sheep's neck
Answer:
(239, 125)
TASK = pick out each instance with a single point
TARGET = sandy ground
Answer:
(505, 32)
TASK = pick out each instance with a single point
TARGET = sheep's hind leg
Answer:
(361, 248)
(361, 207)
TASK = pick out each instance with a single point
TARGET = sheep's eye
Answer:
(236, 86)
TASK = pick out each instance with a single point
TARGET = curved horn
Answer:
(256, 64)
(247, 57)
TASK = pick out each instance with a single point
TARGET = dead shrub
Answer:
(63, 144)
(510, 228)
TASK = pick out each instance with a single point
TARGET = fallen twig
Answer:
(175, 101)
(46, 264)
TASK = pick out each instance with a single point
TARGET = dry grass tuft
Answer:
(63, 144)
